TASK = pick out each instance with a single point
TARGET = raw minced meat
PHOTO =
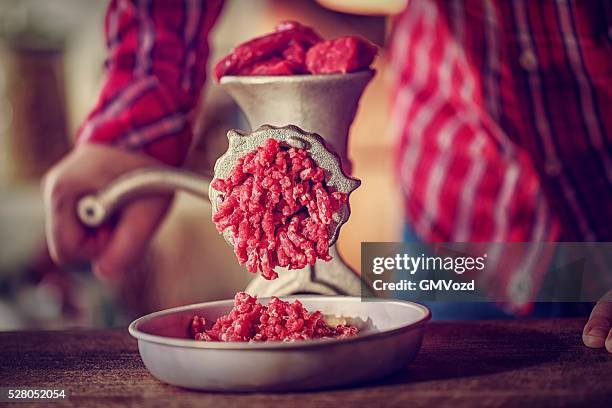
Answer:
(250, 321)
(278, 208)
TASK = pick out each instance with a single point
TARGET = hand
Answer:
(113, 249)
(597, 332)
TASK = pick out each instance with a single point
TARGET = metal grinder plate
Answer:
(241, 143)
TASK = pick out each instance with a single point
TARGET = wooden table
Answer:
(492, 363)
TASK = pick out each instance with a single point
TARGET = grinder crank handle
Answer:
(94, 209)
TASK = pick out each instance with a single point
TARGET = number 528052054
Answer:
(34, 393)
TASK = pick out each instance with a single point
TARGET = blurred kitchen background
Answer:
(51, 67)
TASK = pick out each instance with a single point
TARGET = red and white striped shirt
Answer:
(502, 110)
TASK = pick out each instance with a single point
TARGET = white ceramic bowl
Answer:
(391, 341)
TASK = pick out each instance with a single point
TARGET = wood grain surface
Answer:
(487, 363)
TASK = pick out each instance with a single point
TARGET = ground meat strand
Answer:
(278, 209)
(249, 321)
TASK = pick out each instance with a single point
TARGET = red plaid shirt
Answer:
(503, 116)
(155, 70)
(502, 110)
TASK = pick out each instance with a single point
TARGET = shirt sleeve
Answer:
(463, 178)
(155, 70)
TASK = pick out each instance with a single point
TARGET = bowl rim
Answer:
(266, 79)
(275, 345)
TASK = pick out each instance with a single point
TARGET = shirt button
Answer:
(552, 167)
(528, 60)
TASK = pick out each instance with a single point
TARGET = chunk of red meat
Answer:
(342, 55)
